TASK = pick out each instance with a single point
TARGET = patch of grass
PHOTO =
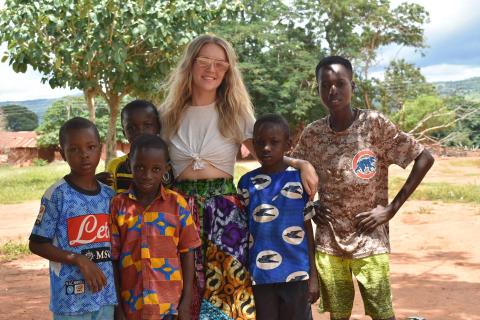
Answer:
(29, 183)
(12, 250)
(239, 172)
(439, 191)
(424, 210)
(465, 162)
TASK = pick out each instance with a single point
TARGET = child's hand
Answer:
(104, 177)
(322, 215)
(313, 289)
(92, 274)
(309, 179)
(369, 220)
(184, 309)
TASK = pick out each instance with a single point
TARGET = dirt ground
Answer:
(435, 264)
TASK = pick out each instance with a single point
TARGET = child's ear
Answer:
(353, 85)
(289, 144)
(62, 154)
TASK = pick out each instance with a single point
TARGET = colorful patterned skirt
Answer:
(223, 288)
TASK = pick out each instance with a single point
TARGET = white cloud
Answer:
(26, 86)
(442, 72)
(450, 72)
(448, 22)
(446, 18)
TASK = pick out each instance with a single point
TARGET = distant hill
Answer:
(470, 88)
(39, 106)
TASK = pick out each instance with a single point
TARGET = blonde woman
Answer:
(206, 116)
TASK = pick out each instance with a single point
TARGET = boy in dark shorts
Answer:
(351, 150)
(281, 255)
(72, 230)
(153, 237)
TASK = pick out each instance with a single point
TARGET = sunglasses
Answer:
(205, 63)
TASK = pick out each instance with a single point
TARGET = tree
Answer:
(3, 122)
(104, 47)
(19, 118)
(67, 108)
(403, 81)
(277, 60)
(424, 117)
(467, 127)
(356, 29)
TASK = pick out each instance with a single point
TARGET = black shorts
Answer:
(282, 301)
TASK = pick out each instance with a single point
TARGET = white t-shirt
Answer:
(198, 140)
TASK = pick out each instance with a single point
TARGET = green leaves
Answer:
(114, 47)
(18, 118)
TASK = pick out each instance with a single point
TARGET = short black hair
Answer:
(136, 105)
(328, 61)
(76, 123)
(149, 141)
(273, 119)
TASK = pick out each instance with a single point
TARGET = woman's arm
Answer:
(249, 144)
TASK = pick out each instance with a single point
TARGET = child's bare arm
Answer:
(94, 277)
(188, 267)
(369, 220)
(313, 287)
(308, 174)
(119, 314)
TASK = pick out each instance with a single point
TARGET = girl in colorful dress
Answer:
(206, 116)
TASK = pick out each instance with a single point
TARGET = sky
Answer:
(453, 53)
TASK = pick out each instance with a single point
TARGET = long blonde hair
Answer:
(233, 101)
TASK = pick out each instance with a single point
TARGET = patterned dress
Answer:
(223, 285)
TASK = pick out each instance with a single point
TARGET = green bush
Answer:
(12, 250)
(39, 162)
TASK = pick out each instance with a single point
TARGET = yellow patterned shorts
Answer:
(373, 277)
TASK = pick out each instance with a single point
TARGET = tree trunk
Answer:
(111, 141)
(367, 99)
(89, 95)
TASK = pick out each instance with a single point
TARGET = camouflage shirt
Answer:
(352, 166)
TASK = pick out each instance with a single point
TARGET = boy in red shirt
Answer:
(153, 235)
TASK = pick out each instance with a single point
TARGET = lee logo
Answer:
(88, 229)
(364, 164)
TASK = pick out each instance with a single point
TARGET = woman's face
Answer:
(209, 68)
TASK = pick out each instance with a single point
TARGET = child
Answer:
(153, 235)
(72, 230)
(137, 117)
(351, 150)
(281, 256)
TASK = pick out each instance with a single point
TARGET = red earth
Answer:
(435, 265)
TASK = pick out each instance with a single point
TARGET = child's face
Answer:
(209, 68)
(270, 143)
(335, 87)
(141, 121)
(81, 151)
(148, 166)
